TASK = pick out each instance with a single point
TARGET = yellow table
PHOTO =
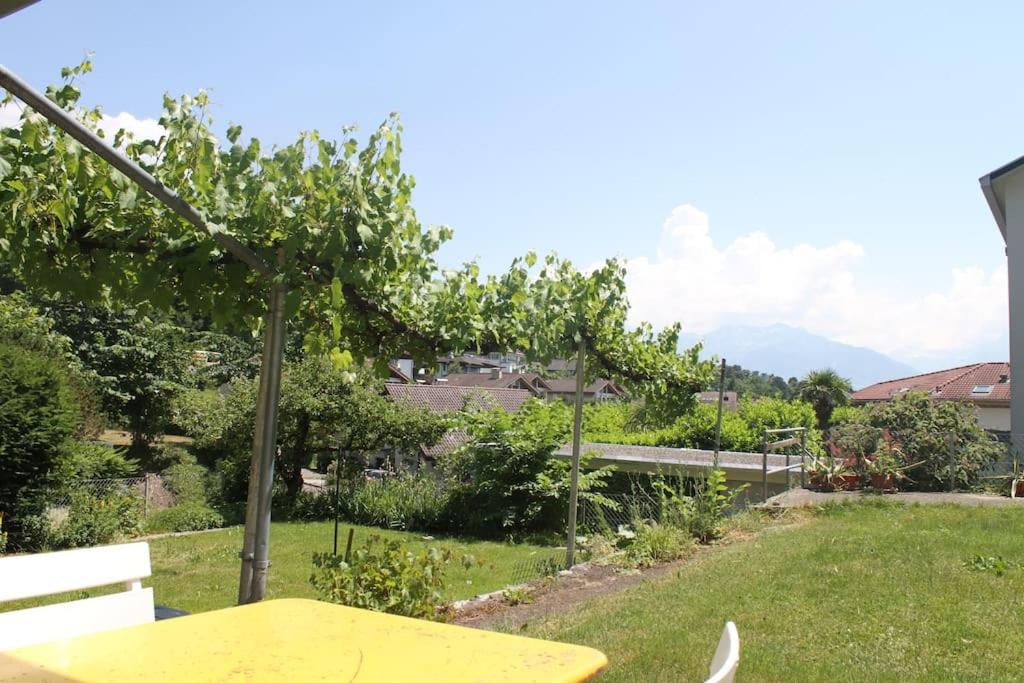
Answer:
(299, 640)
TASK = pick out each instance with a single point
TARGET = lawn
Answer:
(869, 592)
(199, 572)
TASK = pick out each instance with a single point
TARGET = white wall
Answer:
(1015, 265)
(994, 418)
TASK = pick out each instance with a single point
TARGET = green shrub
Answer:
(38, 413)
(742, 430)
(97, 520)
(416, 502)
(923, 429)
(187, 481)
(310, 507)
(385, 577)
(656, 543)
(89, 460)
(186, 517)
(698, 506)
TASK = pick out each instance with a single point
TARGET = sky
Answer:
(806, 163)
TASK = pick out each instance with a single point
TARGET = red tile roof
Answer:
(955, 384)
(489, 381)
(442, 398)
(568, 386)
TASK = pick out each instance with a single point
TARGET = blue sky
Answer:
(850, 136)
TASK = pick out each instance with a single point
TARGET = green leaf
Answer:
(336, 297)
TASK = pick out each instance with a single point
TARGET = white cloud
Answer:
(753, 281)
(142, 129)
(9, 114)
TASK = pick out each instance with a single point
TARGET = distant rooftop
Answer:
(982, 383)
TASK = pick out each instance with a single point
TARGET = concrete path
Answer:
(794, 498)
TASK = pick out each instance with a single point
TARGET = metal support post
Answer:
(256, 542)
(764, 469)
(577, 425)
(803, 456)
(337, 497)
(718, 423)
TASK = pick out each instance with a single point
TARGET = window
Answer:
(982, 389)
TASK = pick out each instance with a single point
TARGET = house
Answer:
(400, 372)
(730, 399)
(986, 385)
(561, 367)
(1003, 189)
(466, 362)
(443, 398)
(598, 390)
(498, 379)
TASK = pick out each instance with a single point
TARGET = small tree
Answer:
(825, 390)
(139, 362)
(929, 431)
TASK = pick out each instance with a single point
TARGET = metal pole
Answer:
(577, 425)
(952, 461)
(803, 455)
(261, 553)
(256, 541)
(718, 425)
(257, 527)
(145, 496)
(337, 497)
(764, 470)
(73, 127)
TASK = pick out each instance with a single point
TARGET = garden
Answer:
(873, 591)
(116, 316)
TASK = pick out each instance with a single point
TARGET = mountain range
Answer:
(792, 352)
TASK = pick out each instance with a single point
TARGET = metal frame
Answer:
(574, 485)
(800, 438)
(256, 545)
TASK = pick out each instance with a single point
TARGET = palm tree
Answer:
(824, 389)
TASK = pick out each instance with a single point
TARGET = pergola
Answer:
(255, 552)
(256, 544)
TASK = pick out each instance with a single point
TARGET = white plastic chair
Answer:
(727, 656)
(31, 576)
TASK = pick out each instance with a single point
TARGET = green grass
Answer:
(858, 593)
(199, 572)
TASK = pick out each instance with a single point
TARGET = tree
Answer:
(139, 362)
(929, 432)
(38, 413)
(825, 390)
(321, 408)
(751, 384)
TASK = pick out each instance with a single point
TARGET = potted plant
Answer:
(884, 470)
(824, 474)
(1017, 481)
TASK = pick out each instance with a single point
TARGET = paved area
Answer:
(803, 498)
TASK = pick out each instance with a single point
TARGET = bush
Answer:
(702, 514)
(96, 520)
(742, 430)
(656, 543)
(186, 517)
(187, 481)
(38, 413)
(410, 502)
(309, 507)
(501, 479)
(923, 428)
(90, 460)
(385, 577)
